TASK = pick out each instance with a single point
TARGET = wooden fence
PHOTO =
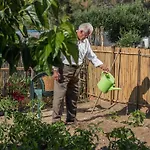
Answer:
(131, 71)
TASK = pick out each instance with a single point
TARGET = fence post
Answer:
(112, 71)
(138, 78)
(118, 75)
(102, 37)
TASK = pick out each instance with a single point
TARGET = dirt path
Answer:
(103, 113)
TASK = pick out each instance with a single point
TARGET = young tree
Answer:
(57, 35)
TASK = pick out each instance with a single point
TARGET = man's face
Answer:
(82, 35)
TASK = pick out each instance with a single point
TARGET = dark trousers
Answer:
(66, 87)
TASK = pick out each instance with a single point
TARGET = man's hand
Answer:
(56, 75)
(104, 68)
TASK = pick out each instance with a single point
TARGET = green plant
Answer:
(28, 132)
(18, 87)
(8, 106)
(136, 118)
(124, 139)
(119, 21)
(85, 139)
(129, 39)
(57, 34)
(35, 107)
(113, 115)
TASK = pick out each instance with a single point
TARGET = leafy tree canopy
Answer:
(57, 35)
(127, 21)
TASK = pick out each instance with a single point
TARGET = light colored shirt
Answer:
(84, 51)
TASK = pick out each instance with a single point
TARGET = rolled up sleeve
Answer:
(92, 56)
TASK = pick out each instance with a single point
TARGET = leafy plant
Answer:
(28, 132)
(113, 115)
(18, 87)
(123, 139)
(57, 35)
(8, 106)
(129, 39)
(119, 21)
(35, 107)
(136, 118)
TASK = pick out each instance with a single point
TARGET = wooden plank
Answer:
(6, 69)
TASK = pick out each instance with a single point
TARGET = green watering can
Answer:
(107, 83)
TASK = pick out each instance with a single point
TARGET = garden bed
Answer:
(105, 117)
(108, 119)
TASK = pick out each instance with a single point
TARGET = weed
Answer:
(136, 118)
(114, 116)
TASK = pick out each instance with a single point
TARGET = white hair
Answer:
(86, 27)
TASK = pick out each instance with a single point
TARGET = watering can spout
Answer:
(114, 88)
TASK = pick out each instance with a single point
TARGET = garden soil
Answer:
(107, 116)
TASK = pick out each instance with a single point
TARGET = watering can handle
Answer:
(102, 73)
(105, 73)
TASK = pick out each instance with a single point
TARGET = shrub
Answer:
(123, 139)
(129, 39)
(119, 21)
(18, 87)
(136, 118)
(30, 133)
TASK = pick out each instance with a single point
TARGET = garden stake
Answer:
(110, 71)
(96, 102)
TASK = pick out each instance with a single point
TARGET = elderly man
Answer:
(66, 77)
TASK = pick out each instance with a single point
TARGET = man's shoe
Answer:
(71, 122)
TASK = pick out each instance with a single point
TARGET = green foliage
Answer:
(35, 107)
(57, 34)
(119, 21)
(7, 104)
(113, 115)
(82, 139)
(27, 131)
(96, 15)
(7, 107)
(123, 139)
(121, 133)
(136, 118)
(129, 39)
(17, 87)
(30, 133)
(48, 49)
(128, 17)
